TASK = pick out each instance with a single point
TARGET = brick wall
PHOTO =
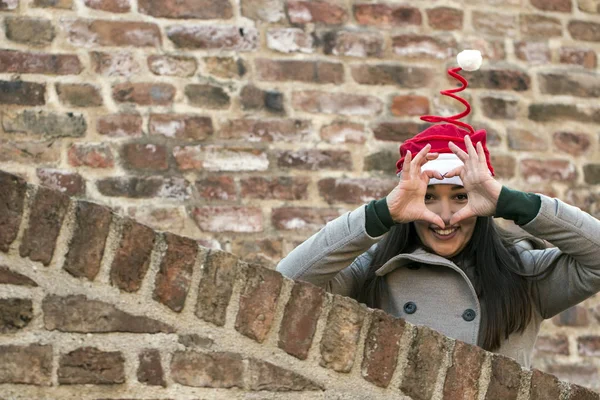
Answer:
(248, 124)
(88, 297)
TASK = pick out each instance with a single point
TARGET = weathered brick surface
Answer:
(78, 95)
(586, 31)
(406, 77)
(397, 131)
(300, 319)
(301, 71)
(195, 9)
(30, 364)
(319, 12)
(228, 219)
(340, 338)
(77, 313)
(15, 314)
(315, 159)
(216, 370)
(12, 197)
(31, 31)
(22, 93)
(145, 156)
(47, 213)
(425, 358)
(207, 96)
(144, 94)
(343, 132)
(113, 6)
(217, 188)
(462, 378)
(172, 65)
(264, 375)
(258, 302)
(45, 124)
(381, 348)
(213, 37)
(580, 393)
(150, 370)
(540, 26)
(12, 61)
(504, 380)
(358, 191)
(175, 274)
(573, 143)
(385, 15)
(545, 170)
(353, 44)
(91, 155)
(302, 218)
(113, 33)
(120, 125)
(280, 188)
(132, 257)
(69, 183)
(216, 286)
(181, 126)
(14, 278)
(269, 130)
(117, 63)
(558, 344)
(86, 249)
(445, 18)
(145, 187)
(253, 98)
(544, 386)
(421, 46)
(38, 152)
(88, 365)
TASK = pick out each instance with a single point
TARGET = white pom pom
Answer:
(469, 60)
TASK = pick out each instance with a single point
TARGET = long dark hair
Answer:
(499, 275)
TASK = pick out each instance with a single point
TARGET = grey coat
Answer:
(337, 258)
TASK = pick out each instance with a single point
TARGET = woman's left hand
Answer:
(482, 189)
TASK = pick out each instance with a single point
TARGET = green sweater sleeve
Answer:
(378, 218)
(518, 206)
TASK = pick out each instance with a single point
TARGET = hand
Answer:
(483, 190)
(406, 201)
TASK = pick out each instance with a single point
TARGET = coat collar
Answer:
(418, 255)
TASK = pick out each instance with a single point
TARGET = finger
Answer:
(421, 158)
(481, 154)
(470, 149)
(455, 172)
(407, 160)
(460, 153)
(463, 213)
(432, 156)
(434, 219)
(433, 174)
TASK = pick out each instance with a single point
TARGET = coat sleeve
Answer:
(569, 272)
(336, 258)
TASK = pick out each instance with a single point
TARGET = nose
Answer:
(446, 212)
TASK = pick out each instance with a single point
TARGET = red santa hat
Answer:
(453, 130)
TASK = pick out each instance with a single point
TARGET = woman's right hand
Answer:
(406, 201)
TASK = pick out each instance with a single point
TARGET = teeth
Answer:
(444, 232)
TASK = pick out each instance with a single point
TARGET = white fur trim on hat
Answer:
(445, 163)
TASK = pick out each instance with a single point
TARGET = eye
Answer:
(462, 197)
(428, 197)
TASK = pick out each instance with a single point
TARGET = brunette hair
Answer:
(499, 275)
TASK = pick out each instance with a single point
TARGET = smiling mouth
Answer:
(444, 234)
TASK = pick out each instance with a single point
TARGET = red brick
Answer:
(445, 18)
(207, 96)
(342, 331)
(258, 302)
(409, 105)
(145, 187)
(421, 46)
(118, 63)
(253, 98)
(300, 318)
(9, 277)
(113, 33)
(584, 57)
(500, 107)
(132, 256)
(145, 156)
(353, 44)
(15, 314)
(265, 252)
(276, 188)
(504, 166)
(547, 170)
(78, 95)
(545, 112)
(552, 345)
(181, 126)
(213, 370)
(175, 274)
(69, 183)
(500, 79)
(462, 378)
(88, 365)
(299, 70)
(533, 52)
(579, 373)
(214, 37)
(225, 67)
(381, 348)
(384, 15)
(12, 196)
(383, 161)
(290, 40)
(170, 219)
(217, 188)
(144, 94)
(589, 201)
(91, 155)
(120, 125)
(354, 190)
(31, 31)
(495, 24)
(266, 130)
(31, 152)
(573, 143)
(228, 219)
(344, 132)
(397, 131)
(22, 93)
(505, 379)
(218, 158)
(48, 210)
(263, 10)
(318, 12)
(540, 26)
(150, 370)
(302, 218)
(574, 84)
(34, 366)
(544, 386)
(61, 4)
(216, 286)
(588, 346)
(265, 376)
(172, 65)
(194, 9)
(114, 6)
(18, 62)
(386, 74)
(86, 249)
(591, 173)
(580, 393)
(553, 5)
(490, 48)
(425, 358)
(315, 160)
(314, 101)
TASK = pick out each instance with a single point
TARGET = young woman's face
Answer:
(445, 200)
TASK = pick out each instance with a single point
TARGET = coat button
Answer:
(410, 307)
(469, 315)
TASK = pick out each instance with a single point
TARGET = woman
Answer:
(430, 252)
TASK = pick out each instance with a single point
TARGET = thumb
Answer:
(463, 213)
(455, 172)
